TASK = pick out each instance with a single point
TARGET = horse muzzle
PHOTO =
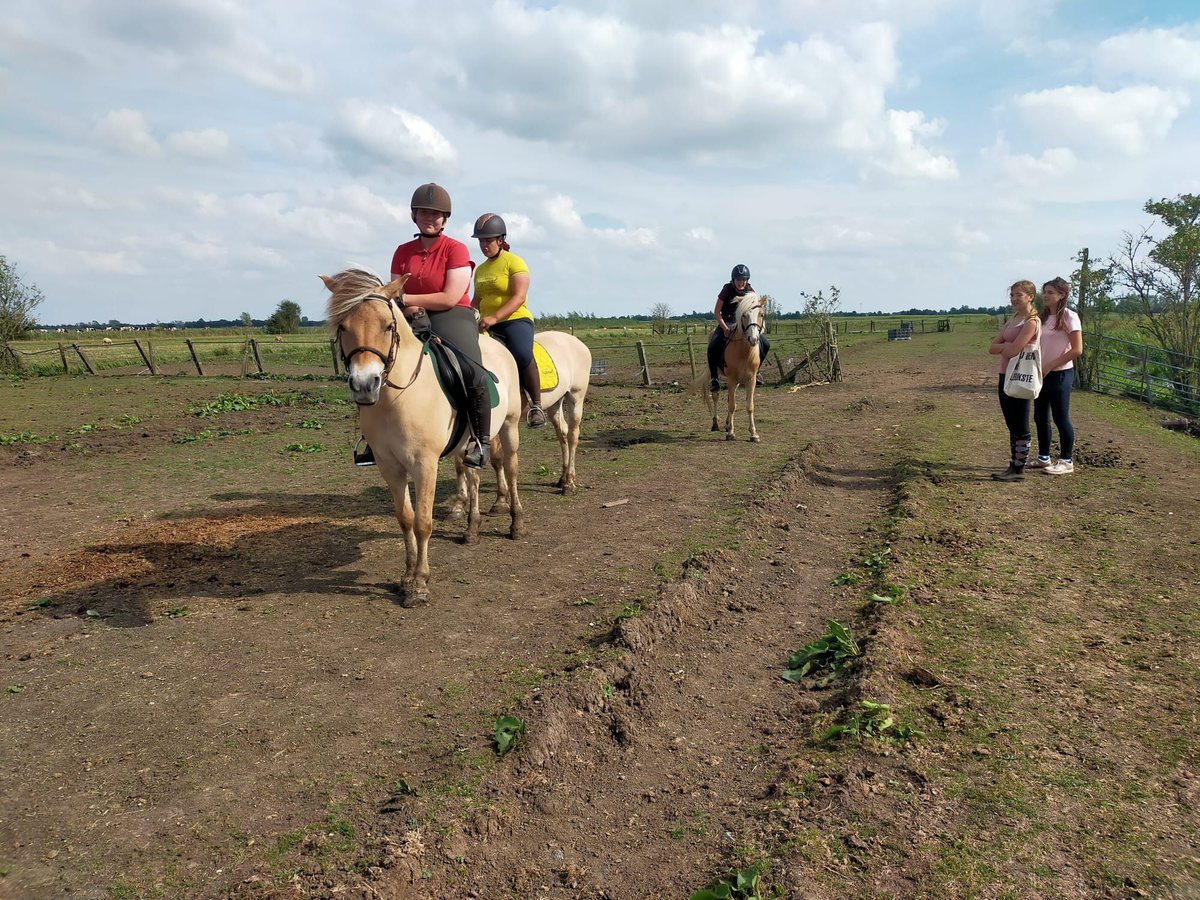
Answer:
(365, 387)
(752, 335)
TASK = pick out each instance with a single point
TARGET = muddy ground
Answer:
(212, 691)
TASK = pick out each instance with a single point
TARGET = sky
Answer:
(187, 159)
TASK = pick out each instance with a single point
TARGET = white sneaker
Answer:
(1060, 468)
(1038, 463)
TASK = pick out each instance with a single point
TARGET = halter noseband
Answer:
(388, 360)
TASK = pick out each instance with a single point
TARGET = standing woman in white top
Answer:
(1062, 344)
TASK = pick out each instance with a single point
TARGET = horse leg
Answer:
(404, 515)
(558, 419)
(500, 504)
(471, 535)
(510, 442)
(458, 506)
(569, 442)
(733, 386)
(425, 484)
(715, 394)
(754, 438)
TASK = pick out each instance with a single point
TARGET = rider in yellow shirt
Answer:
(501, 287)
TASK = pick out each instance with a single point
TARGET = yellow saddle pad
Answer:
(547, 371)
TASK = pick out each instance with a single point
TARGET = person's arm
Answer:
(1028, 333)
(1073, 352)
(448, 297)
(518, 291)
(717, 310)
(998, 342)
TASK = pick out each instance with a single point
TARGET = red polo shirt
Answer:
(427, 268)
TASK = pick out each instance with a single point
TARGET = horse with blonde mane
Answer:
(742, 361)
(407, 419)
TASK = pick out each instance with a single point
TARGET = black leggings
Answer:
(716, 351)
(1055, 399)
(517, 336)
(457, 325)
(1016, 417)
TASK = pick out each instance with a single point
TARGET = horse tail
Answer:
(700, 386)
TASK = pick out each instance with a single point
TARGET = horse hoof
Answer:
(714, 428)
(569, 489)
(730, 437)
(498, 509)
(755, 439)
(516, 532)
(455, 515)
(470, 537)
(413, 599)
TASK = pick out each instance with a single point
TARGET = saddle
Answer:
(448, 365)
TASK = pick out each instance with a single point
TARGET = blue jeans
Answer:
(1055, 400)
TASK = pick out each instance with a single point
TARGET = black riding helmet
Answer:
(431, 196)
(740, 271)
(489, 225)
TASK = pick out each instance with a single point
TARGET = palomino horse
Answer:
(406, 418)
(563, 404)
(741, 363)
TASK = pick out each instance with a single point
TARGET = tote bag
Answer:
(1023, 378)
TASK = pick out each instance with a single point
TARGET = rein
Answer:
(390, 359)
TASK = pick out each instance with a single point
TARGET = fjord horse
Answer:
(563, 405)
(406, 418)
(742, 361)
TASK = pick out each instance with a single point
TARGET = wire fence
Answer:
(1141, 371)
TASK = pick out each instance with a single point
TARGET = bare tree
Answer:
(660, 313)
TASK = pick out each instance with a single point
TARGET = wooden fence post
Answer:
(63, 355)
(779, 363)
(641, 350)
(333, 351)
(195, 357)
(86, 362)
(245, 356)
(257, 358)
(692, 356)
(145, 357)
(1145, 375)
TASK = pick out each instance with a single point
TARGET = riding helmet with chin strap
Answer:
(740, 271)
(431, 196)
(489, 225)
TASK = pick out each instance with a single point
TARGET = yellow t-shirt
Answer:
(493, 284)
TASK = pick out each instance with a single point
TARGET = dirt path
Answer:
(217, 694)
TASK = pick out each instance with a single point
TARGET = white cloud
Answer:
(1053, 164)
(605, 86)
(368, 135)
(702, 235)
(126, 130)
(1128, 120)
(210, 143)
(1165, 56)
(905, 156)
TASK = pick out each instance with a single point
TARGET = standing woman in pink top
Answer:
(1019, 331)
(1062, 344)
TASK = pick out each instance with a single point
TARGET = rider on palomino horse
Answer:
(501, 289)
(737, 286)
(439, 276)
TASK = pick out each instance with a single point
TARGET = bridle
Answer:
(742, 323)
(388, 360)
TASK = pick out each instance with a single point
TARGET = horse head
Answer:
(749, 313)
(370, 329)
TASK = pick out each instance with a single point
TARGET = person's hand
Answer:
(487, 322)
(726, 327)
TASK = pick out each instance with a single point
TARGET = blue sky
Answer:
(201, 158)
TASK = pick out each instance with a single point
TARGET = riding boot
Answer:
(479, 415)
(531, 381)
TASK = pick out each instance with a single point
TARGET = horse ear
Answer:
(395, 288)
(327, 281)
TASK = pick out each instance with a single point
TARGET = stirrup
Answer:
(478, 454)
(363, 455)
(536, 417)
